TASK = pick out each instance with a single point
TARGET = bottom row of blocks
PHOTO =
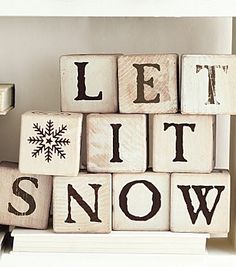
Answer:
(180, 202)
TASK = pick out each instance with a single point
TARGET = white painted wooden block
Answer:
(200, 202)
(25, 199)
(89, 83)
(50, 143)
(208, 84)
(141, 201)
(82, 203)
(7, 98)
(148, 83)
(116, 143)
(182, 143)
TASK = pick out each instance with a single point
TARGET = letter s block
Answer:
(208, 84)
(25, 199)
(200, 202)
(82, 203)
(141, 201)
(182, 143)
(148, 83)
(89, 83)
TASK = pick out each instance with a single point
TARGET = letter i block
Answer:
(116, 143)
(50, 143)
(148, 83)
(141, 201)
(208, 84)
(182, 143)
(89, 83)
(25, 199)
(200, 202)
(82, 203)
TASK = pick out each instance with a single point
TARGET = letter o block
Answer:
(182, 143)
(148, 83)
(141, 201)
(25, 198)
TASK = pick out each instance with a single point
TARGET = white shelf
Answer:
(114, 8)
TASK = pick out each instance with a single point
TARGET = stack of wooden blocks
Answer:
(149, 162)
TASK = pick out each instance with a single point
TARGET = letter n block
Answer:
(200, 202)
(116, 143)
(182, 143)
(141, 201)
(82, 203)
(25, 198)
(50, 143)
(148, 83)
(89, 83)
(208, 84)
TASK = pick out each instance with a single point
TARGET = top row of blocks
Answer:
(148, 84)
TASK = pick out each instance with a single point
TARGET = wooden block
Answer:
(89, 83)
(116, 143)
(182, 143)
(200, 202)
(50, 143)
(148, 83)
(208, 84)
(25, 199)
(141, 201)
(82, 203)
(7, 98)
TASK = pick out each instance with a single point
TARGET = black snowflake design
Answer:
(49, 141)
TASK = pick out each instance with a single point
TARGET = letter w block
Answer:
(200, 202)
(82, 203)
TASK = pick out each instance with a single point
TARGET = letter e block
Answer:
(182, 143)
(200, 202)
(141, 201)
(89, 83)
(82, 203)
(208, 84)
(116, 143)
(50, 143)
(25, 199)
(148, 83)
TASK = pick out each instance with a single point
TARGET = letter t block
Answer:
(182, 143)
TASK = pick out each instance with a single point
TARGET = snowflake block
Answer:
(50, 143)
(141, 201)
(89, 83)
(200, 202)
(116, 143)
(25, 199)
(82, 203)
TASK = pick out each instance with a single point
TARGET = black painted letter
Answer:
(93, 215)
(208, 214)
(81, 84)
(141, 82)
(179, 138)
(116, 145)
(25, 196)
(211, 81)
(156, 200)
